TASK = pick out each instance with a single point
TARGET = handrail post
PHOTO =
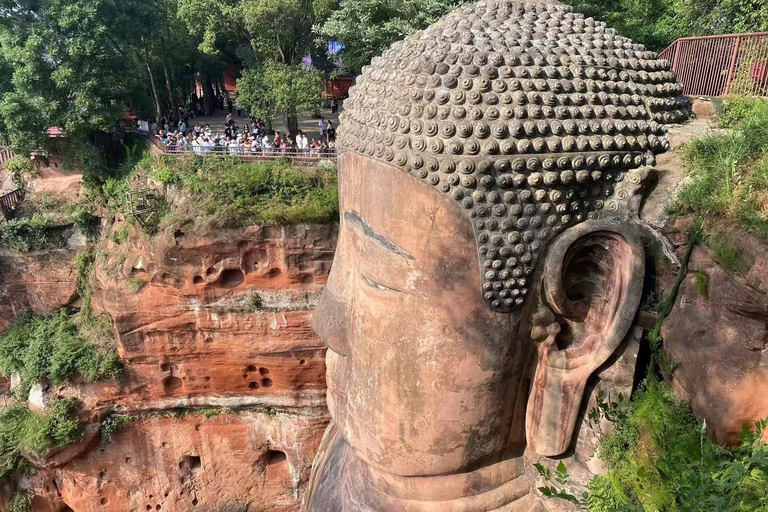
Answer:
(676, 56)
(733, 65)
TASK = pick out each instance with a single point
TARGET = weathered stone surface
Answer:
(254, 461)
(43, 281)
(704, 109)
(525, 114)
(718, 342)
(194, 337)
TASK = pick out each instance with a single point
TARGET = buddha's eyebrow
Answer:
(356, 220)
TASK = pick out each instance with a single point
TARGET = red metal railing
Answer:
(719, 65)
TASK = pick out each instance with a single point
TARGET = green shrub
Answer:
(22, 501)
(250, 304)
(702, 283)
(21, 429)
(110, 426)
(87, 223)
(84, 268)
(135, 284)
(119, 235)
(737, 109)
(234, 194)
(729, 171)
(659, 458)
(54, 347)
(727, 254)
(33, 233)
(167, 176)
(21, 168)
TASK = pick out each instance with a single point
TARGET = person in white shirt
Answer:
(183, 127)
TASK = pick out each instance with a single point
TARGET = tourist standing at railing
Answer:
(330, 133)
(183, 128)
(301, 142)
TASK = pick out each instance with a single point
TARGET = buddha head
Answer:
(488, 260)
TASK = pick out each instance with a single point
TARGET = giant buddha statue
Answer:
(490, 256)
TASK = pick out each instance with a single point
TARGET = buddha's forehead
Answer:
(525, 114)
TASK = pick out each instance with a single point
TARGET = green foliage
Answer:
(20, 168)
(21, 429)
(660, 459)
(727, 254)
(702, 283)
(657, 23)
(33, 233)
(120, 235)
(276, 88)
(729, 171)
(738, 109)
(68, 69)
(22, 501)
(251, 303)
(166, 176)
(231, 193)
(57, 347)
(111, 426)
(368, 27)
(84, 268)
(87, 223)
(560, 478)
(260, 32)
(135, 284)
(651, 303)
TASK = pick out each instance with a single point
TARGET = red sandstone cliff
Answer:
(224, 380)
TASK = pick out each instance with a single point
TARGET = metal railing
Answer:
(5, 155)
(720, 65)
(9, 201)
(306, 157)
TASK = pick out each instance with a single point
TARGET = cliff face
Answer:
(223, 398)
(43, 281)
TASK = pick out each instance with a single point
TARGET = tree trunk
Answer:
(171, 95)
(158, 106)
(292, 121)
(208, 95)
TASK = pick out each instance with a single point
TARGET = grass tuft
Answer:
(729, 171)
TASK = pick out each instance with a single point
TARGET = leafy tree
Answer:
(368, 27)
(68, 68)
(277, 87)
(272, 38)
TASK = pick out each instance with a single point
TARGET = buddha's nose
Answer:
(331, 318)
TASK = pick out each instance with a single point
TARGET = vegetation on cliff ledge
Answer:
(234, 193)
(22, 430)
(659, 458)
(729, 171)
(33, 233)
(57, 347)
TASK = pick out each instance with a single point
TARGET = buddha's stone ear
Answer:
(589, 295)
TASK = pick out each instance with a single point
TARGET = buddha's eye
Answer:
(374, 284)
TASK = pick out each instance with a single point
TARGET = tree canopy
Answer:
(79, 64)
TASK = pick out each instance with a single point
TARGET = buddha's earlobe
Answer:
(589, 296)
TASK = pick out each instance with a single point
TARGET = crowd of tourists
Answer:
(250, 138)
